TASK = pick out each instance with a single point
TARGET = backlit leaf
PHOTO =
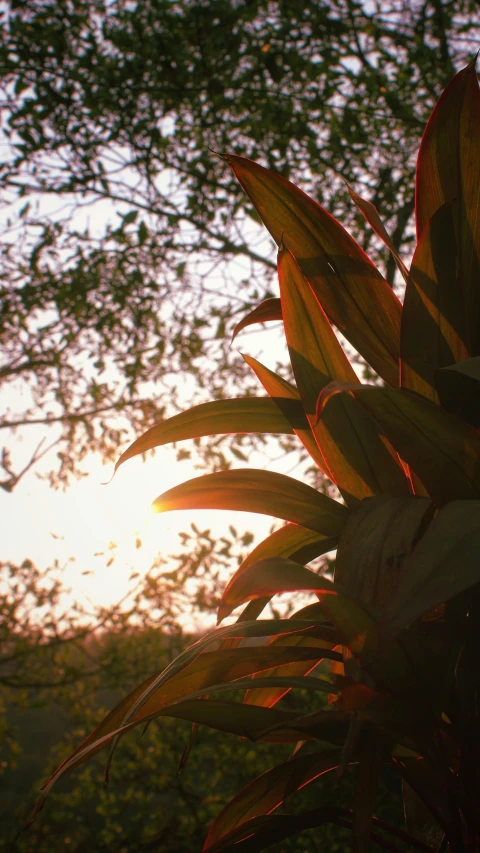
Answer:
(433, 324)
(356, 626)
(443, 450)
(284, 394)
(270, 790)
(268, 310)
(292, 541)
(448, 170)
(372, 216)
(357, 458)
(269, 696)
(243, 415)
(351, 290)
(257, 491)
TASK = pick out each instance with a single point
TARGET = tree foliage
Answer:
(125, 237)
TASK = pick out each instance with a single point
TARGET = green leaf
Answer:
(442, 450)
(458, 387)
(291, 541)
(257, 491)
(283, 392)
(357, 458)
(375, 542)
(270, 790)
(372, 216)
(433, 324)
(354, 295)
(269, 309)
(242, 415)
(130, 217)
(448, 170)
(444, 564)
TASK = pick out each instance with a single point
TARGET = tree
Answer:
(122, 226)
(392, 642)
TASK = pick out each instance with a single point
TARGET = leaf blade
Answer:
(448, 170)
(242, 415)
(267, 311)
(357, 458)
(356, 298)
(257, 491)
(433, 333)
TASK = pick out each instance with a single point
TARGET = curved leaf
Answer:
(357, 458)
(356, 625)
(257, 491)
(442, 450)
(259, 833)
(283, 392)
(372, 216)
(448, 170)
(269, 309)
(350, 288)
(285, 683)
(433, 331)
(243, 415)
(269, 696)
(270, 790)
(293, 541)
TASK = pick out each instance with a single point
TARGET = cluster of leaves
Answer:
(120, 234)
(390, 647)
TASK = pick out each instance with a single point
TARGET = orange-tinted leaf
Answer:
(257, 491)
(292, 541)
(268, 310)
(269, 696)
(357, 458)
(270, 790)
(375, 542)
(433, 323)
(372, 216)
(356, 625)
(285, 395)
(458, 387)
(243, 415)
(448, 170)
(443, 450)
(290, 682)
(351, 290)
